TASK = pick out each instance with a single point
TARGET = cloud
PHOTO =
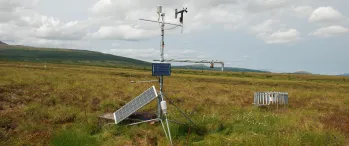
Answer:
(56, 30)
(325, 15)
(5, 34)
(281, 37)
(330, 31)
(7, 10)
(274, 32)
(119, 19)
(123, 32)
(25, 25)
(202, 14)
(39, 42)
(265, 5)
(10, 10)
(265, 27)
(302, 11)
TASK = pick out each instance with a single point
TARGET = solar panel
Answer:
(161, 69)
(135, 104)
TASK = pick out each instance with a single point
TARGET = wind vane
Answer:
(180, 12)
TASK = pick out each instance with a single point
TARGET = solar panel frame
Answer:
(135, 104)
(161, 69)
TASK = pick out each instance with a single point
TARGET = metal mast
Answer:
(162, 103)
(162, 108)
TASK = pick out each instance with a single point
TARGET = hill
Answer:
(204, 67)
(347, 74)
(2, 43)
(301, 72)
(85, 57)
(68, 56)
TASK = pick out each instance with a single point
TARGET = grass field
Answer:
(59, 105)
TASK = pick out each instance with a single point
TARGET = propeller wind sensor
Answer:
(181, 12)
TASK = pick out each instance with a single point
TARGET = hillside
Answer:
(2, 43)
(85, 57)
(347, 74)
(68, 56)
(204, 67)
(301, 72)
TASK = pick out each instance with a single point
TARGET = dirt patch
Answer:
(338, 120)
(23, 93)
(299, 102)
(11, 93)
(128, 75)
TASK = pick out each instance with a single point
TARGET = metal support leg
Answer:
(168, 128)
(157, 119)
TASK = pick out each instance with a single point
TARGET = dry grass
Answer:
(59, 105)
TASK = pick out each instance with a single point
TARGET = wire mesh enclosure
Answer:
(270, 98)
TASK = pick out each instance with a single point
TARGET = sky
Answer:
(273, 35)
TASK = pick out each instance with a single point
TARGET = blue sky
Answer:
(273, 35)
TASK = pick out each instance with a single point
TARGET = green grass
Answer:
(59, 105)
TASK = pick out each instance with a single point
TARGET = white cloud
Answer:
(126, 26)
(265, 27)
(7, 9)
(302, 11)
(267, 32)
(11, 9)
(118, 19)
(281, 37)
(26, 25)
(123, 32)
(202, 14)
(6, 35)
(56, 30)
(39, 42)
(325, 15)
(265, 5)
(330, 31)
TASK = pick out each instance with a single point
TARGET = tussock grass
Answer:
(59, 105)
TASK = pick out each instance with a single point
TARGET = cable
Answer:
(181, 112)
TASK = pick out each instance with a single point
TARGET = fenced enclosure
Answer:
(270, 98)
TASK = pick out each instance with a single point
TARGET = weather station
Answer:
(160, 68)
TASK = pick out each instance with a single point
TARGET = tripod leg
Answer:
(163, 127)
(168, 128)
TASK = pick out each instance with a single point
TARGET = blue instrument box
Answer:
(161, 69)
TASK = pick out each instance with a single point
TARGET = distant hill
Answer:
(347, 74)
(68, 56)
(85, 57)
(301, 72)
(204, 67)
(2, 43)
